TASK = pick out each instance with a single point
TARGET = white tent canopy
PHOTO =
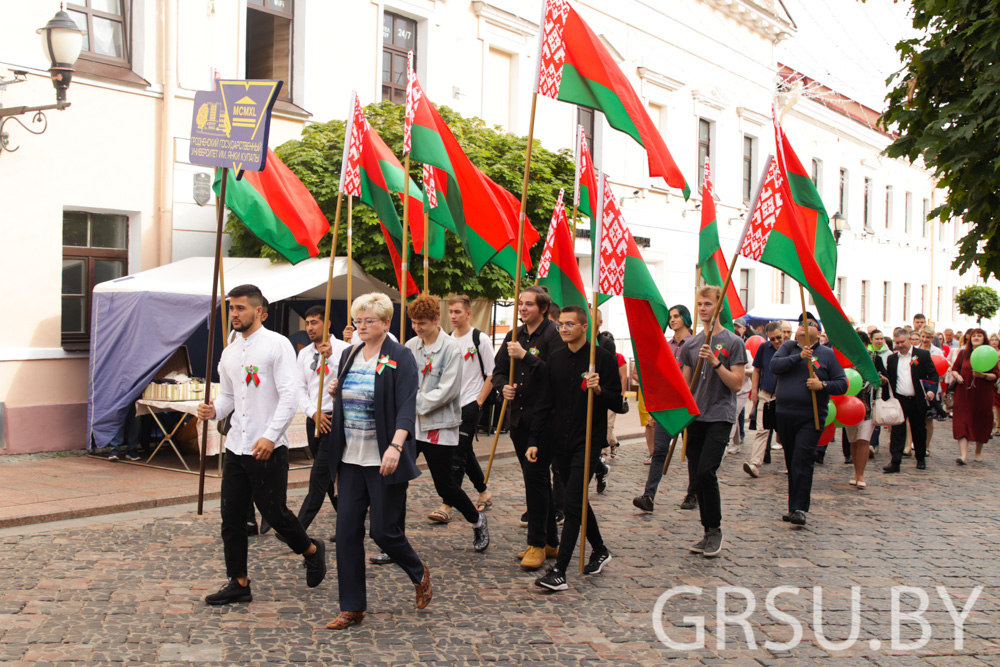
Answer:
(306, 280)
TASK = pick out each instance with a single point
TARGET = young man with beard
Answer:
(560, 428)
(259, 386)
(530, 346)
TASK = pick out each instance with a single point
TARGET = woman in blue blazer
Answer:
(373, 456)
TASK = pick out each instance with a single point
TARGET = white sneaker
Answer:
(733, 449)
(751, 470)
(776, 446)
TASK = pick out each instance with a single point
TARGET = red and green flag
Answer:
(585, 191)
(711, 261)
(276, 206)
(778, 236)
(575, 67)
(370, 171)
(622, 270)
(470, 204)
(557, 269)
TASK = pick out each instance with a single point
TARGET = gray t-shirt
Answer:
(716, 401)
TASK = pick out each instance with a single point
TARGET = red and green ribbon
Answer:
(384, 361)
(721, 350)
(252, 376)
(325, 368)
(583, 384)
(469, 353)
(533, 351)
(427, 368)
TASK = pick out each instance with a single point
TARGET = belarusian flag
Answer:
(584, 182)
(711, 261)
(436, 232)
(276, 206)
(575, 67)
(468, 200)
(811, 209)
(777, 235)
(622, 270)
(557, 269)
(370, 171)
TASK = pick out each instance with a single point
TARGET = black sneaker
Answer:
(524, 520)
(713, 543)
(113, 456)
(602, 481)
(264, 526)
(231, 592)
(690, 503)
(252, 529)
(798, 518)
(597, 562)
(381, 559)
(560, 518)
(316, 564)
(787, 517)
(554, 580)
(645, 503)
(699, 546)
(481, 535)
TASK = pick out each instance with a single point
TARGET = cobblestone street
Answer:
(130, 588)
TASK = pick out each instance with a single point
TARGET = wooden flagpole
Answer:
(211, 338)
(694, 331)
(725, 288)
(222, 289)
(326, 314)
(404, 254)
(350, 258)
(812, 373)
(517, 268)
(427, 242)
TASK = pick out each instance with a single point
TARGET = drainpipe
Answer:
(168, 11)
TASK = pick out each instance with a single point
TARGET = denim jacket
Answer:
(439, 395)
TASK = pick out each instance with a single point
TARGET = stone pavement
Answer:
(129, 588)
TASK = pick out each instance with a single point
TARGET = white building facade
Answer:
(107, 190)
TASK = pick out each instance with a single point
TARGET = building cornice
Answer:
(658, 79)
(765, 17)
(504, 19)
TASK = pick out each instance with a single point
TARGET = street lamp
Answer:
(62, 41)
(839, 226)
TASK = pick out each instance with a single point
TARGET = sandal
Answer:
(484, 505)
(853, 482)
(862, 485)
(439, 516)
(346, 619)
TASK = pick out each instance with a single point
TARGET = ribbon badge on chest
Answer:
(914, 362)
(815, 363)
(533, 351)
(252, 376)
(429, 366)
(469, 353)
(325, 369)
(720, 351)
(384, 361)
(583, 383)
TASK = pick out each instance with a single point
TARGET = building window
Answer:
(906, 301)
(399, 36)
(864, 300)
(107, 25)
(924, 306)
(745, 288)
(940, 299)
(908, 219)
(817, 169)
(749, 150)
(704, 148)
(840, 291)
(842, 201)
(497, 95)
(585, 119)
(886, 288)
(95, 249)
(888, 207)
(269, 42)
(869, 196)
(926, 228)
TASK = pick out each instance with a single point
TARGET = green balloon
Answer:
(983, 359)
(854, 382)
(831, 413)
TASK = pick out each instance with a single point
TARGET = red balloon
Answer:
(850, 410)
(941, 364)
(946, 349)
(827, 435)
(754, 343)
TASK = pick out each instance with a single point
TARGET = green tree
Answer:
(946, 110)
(979, 301)
(316, 159)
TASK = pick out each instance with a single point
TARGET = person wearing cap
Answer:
(795, 421)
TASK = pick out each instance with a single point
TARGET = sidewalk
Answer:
(55, 489)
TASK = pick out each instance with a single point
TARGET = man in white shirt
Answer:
(259, 386)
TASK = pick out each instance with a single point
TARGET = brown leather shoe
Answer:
(550, 552)
(424, 593)
(346, 619)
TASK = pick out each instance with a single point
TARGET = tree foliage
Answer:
(978, 301)
(316, 159)
(946, 110)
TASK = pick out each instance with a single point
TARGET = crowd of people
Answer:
(386, 404)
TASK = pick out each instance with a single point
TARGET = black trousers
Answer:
(915, 411)
(439, 461)
(265, 482)
(706, 446)
(320, 480)
(537, 491)
(362, 488)
(799, 438)
(570, 465)
(465, 461)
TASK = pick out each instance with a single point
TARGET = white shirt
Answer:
(260, 386)
(309, 389)
(472, 375)
(904, 380)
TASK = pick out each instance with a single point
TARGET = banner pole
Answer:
(427, 241)
(326, 313)
(350, 258)
(812, 373)
(403, 262)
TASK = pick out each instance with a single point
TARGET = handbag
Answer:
(624, 408)
(770, 415)
(887, 412)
